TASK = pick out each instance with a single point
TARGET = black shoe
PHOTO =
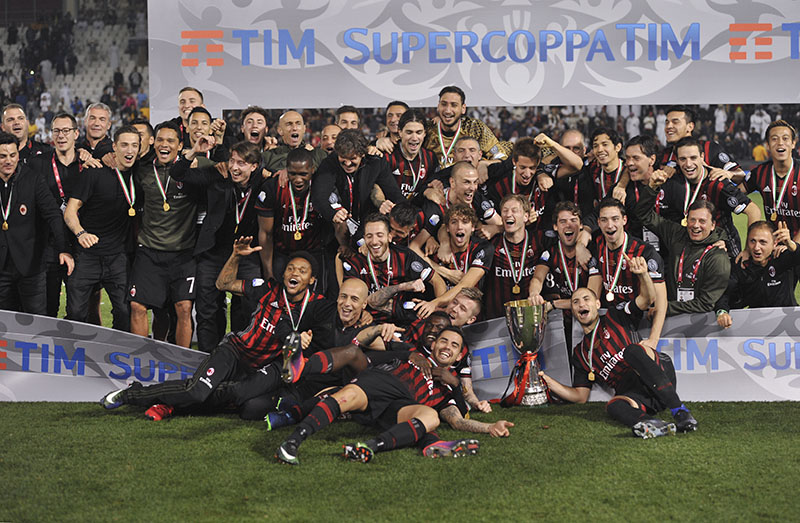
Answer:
(684, 421)
(653, 428)
(287, 453)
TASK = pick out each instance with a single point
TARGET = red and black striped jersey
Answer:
(614, 333)
(760, 179)
(413, 335)
(627, 286)
(602, 180)
(555, 283)
(261, 341)
(725, 196)
(479, 253)
(713, 155)
(501, 183)
(428, 392)
(401, 265)
(411, 176)
(275, 202)
(499, 284)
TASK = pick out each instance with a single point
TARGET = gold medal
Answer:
(298, 235)
(591, 375)
(5, 226)
(684, 222)
(515, 289)
(773, 217)
(166, 206)
(609, 296)
(131, 212)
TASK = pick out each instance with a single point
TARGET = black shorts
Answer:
(386, 395)
(643, 395)
(161, 278)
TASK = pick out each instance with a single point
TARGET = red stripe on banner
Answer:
(738, 41)
(214, 48)
(738, 56)
(750, 27)
(190, 62)
(764, 40)
(3, 356)
(215, 61)
(201, 34)
(764, 55)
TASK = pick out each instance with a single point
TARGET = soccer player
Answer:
(328, 137)
(254, 127)
(146, 134)
(188, 98)
(640, 159)
(388, 138)
(385, 266)
(410, 163)
(698, 271)
(292, 130)
(406, 221)
(679, 125)
(288, 222)
(643, 379)
(696, 184)
(514, 256)
(231, 200)
(25, 207)
(401, 401)
(251, 358)
(454, 123)
(15, 122)
(106, 199)
(348, 117)
(344, 182)
(766, 278)
(607, 167)
(577, 187)
(58, 172)
(163, 272)
(777, 179)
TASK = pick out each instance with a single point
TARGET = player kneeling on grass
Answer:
(643, 380)
(398, 398)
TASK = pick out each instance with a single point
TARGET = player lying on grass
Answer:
(399, 399)
(643, 380)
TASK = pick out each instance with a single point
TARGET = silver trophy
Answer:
(526, 325)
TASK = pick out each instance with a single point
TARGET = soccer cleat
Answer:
(287, 453)
(278, 419)
(653, 428)
(457, 448)
(113, 399)
(684, 421)
(159, 412)
(293, 361)
(357, 452)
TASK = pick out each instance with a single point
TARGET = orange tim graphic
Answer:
(741, 41)
(3, 355)
(193, 48)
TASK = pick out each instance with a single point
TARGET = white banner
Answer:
(757, 359)
(327, 53)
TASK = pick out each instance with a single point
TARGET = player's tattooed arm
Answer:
(454, 418)
(381, 300)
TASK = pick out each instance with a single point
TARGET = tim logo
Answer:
(760, 46)
(194, 48)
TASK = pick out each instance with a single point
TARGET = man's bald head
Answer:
(356, 286)
(351, 301)
(291, 128)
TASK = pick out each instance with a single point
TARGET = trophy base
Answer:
(534, 398)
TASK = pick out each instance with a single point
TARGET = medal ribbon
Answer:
(295, 326)
(696, 268)
(686, 201)
(616, 177)
(240, 213)
(446, 155)
(372, 269)
(783, 189)
(415, 177)
(57, 177)
(466, 261)
(517, 277)
(591, 347)
(514, 185)
(7, 208)
(162, 189)
(618, 269)
(130, 194)
(572, 286)
(294, 208)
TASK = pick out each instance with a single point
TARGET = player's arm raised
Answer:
(226, 281)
